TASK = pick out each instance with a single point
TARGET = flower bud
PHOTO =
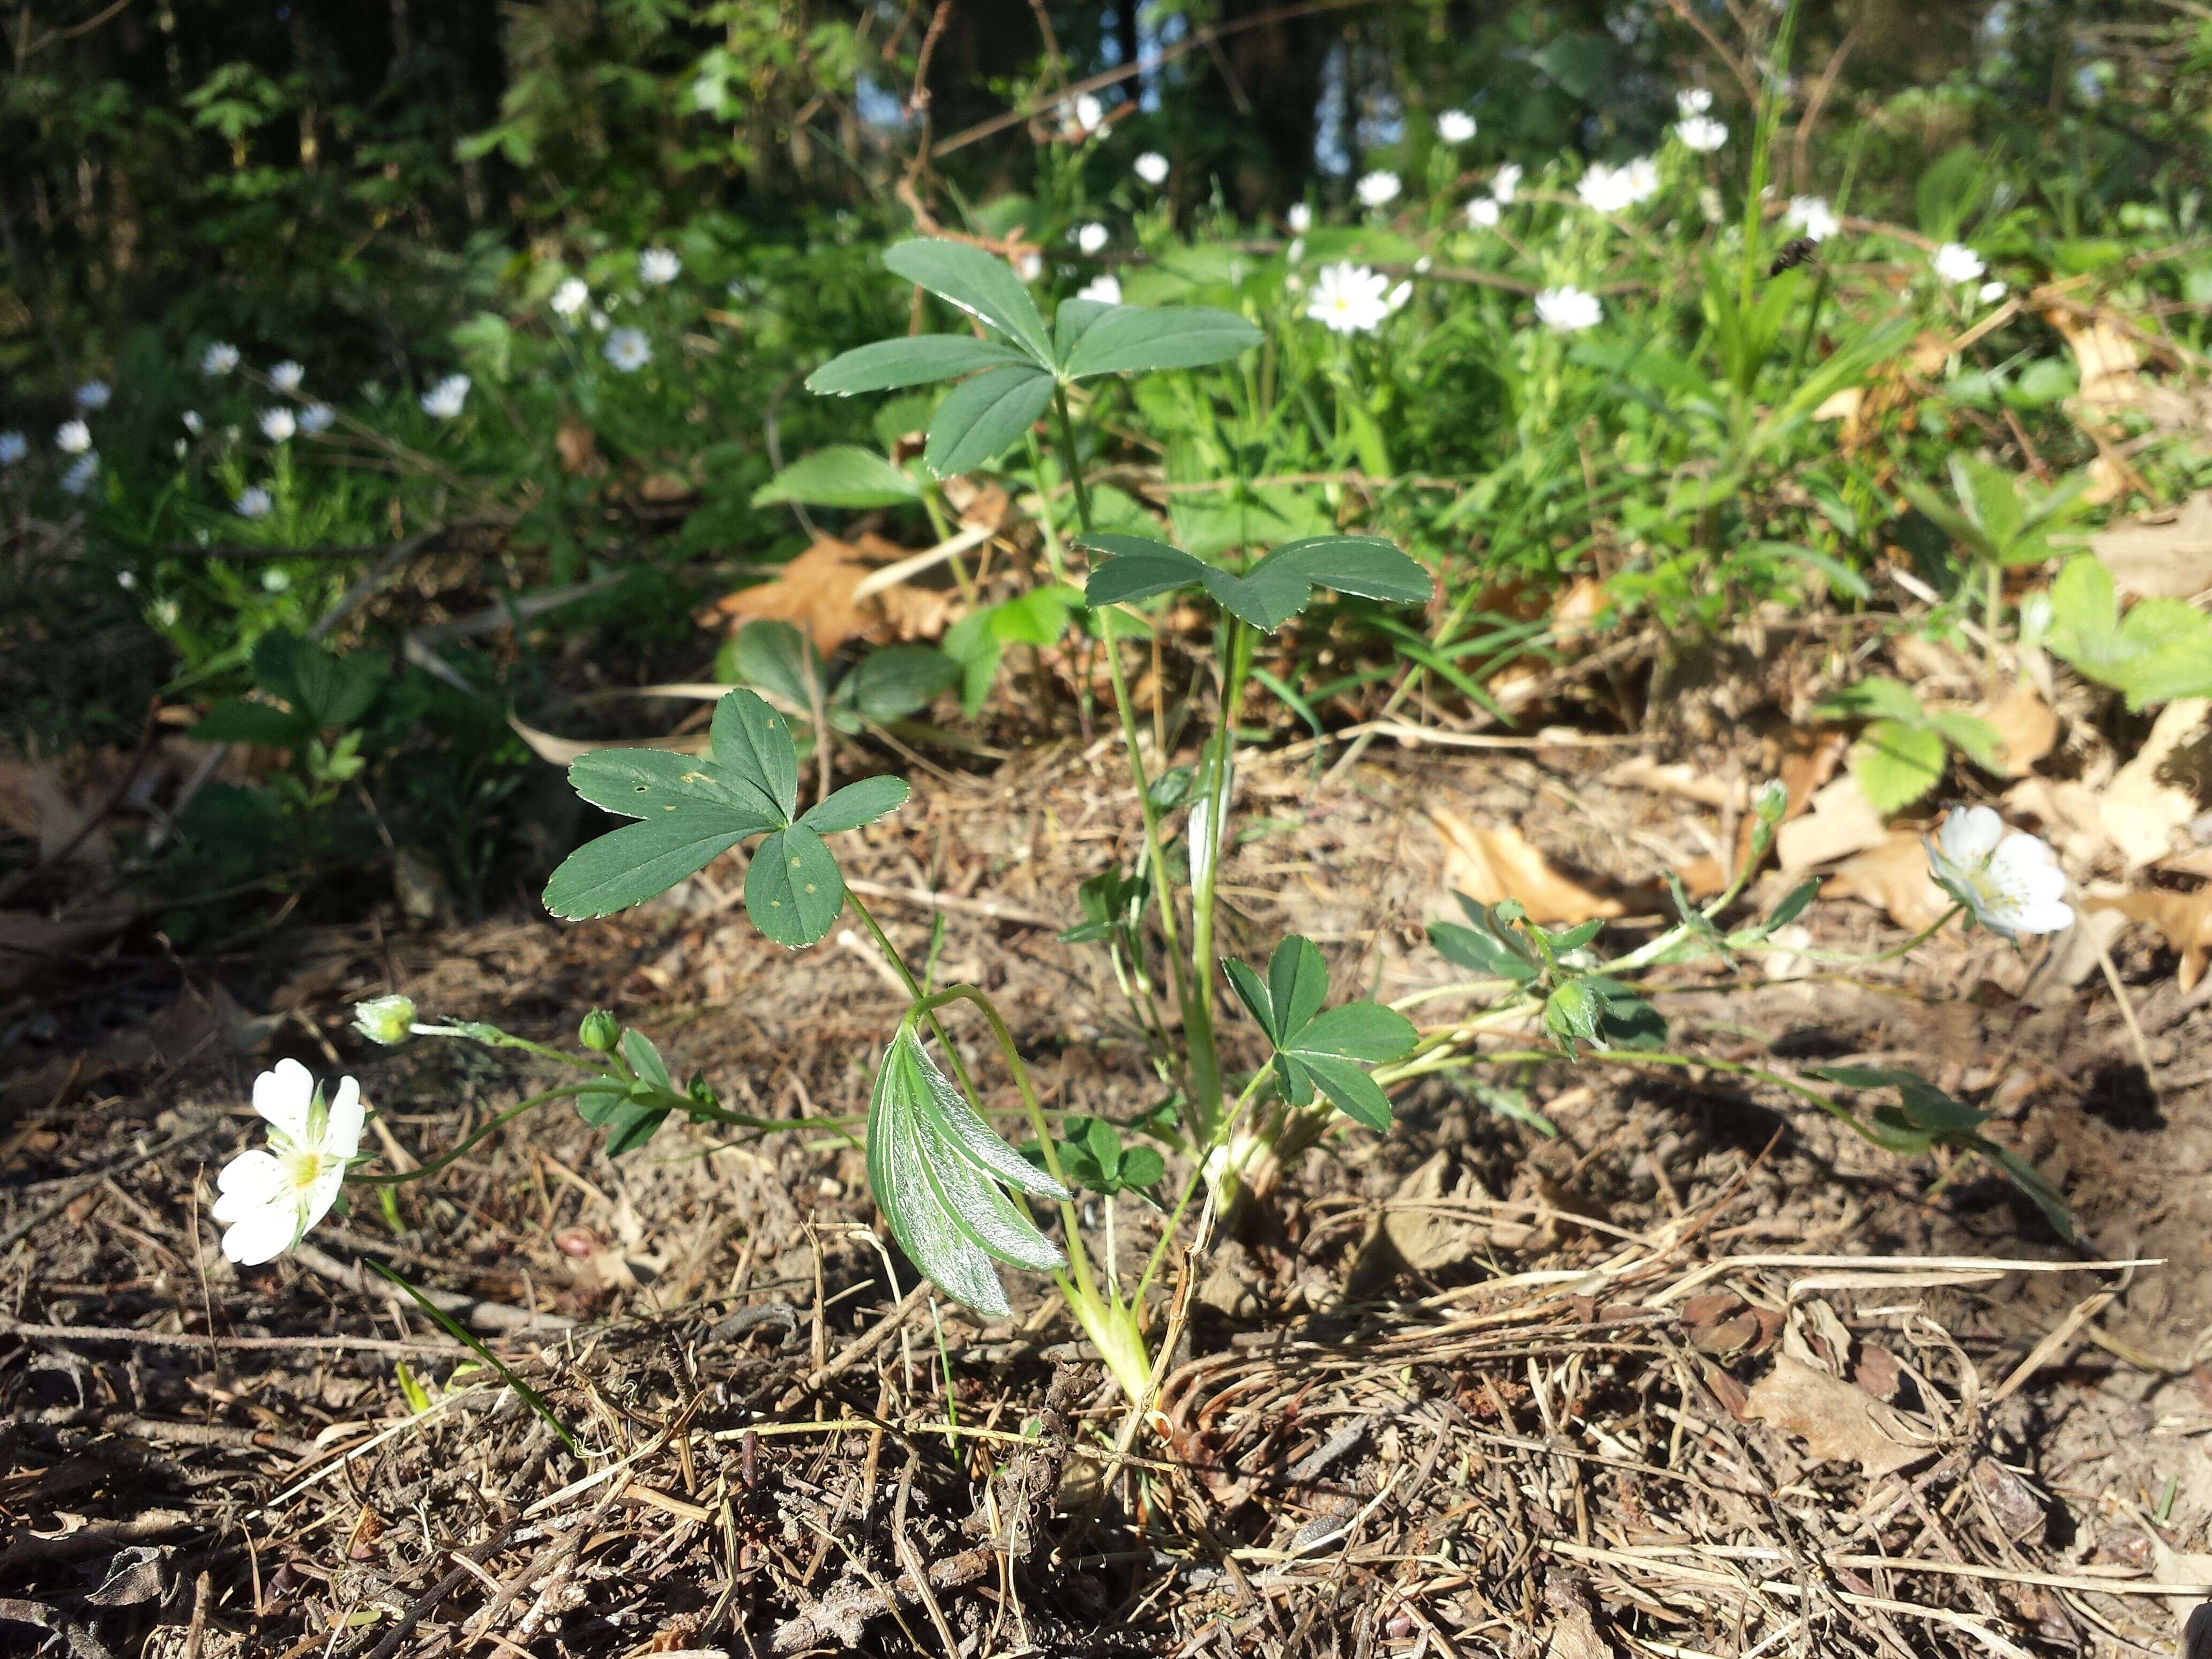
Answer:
(385, 1019)
(1771, 800)
(601, 1030)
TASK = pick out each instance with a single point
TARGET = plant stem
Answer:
(492, 1037)
(1205, 866)
(504, 1118)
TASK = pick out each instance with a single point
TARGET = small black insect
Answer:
(1803, 252)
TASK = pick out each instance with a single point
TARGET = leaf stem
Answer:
(504, 1118)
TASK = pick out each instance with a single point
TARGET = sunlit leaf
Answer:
(982, 284)
(793, 890)
(886, 365)
(981, 417)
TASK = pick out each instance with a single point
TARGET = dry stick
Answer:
(491, 1315)
(859, 1349)
(12, 1327)
(2127, 1010)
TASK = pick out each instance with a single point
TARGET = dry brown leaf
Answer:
(1841, 823)
(2165, 557)
(1574, 1634)
(2026, 729)
(2106, 358)
(578, 446)
(1491, 864)
(1697, 783)
(39, 804)
(1514, 687)
(661, 488)
(814, 593)
(2185, 919)
(1837, 1422)
(2158, 791)
(1577, 610)
(918, 613)
(1893, 876)
(2110, 478)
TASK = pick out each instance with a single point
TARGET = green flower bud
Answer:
(601, 1030)
(385, 1019)
(1771, 800)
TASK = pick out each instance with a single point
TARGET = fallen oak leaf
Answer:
(2185, 919)
(2168, 557)
(1841, 822)
(2026, 729)
(1491, 864)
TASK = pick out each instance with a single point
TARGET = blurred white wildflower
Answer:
(444, 400)
(287, 376)
(1954, 262)
(1092, 237)
(1812, 216)
(1152, 167)
(93, 394)
(219, 359)
(79, 477)
(1701, 133)
(658, 266)
(1568, 309)
(571, 297)
(628, 350)
(252, 502)
(1350, 298)
(1377, 189)
(267, 1200)
(1105, 287)
(1454, 126)
(2007, 879)
(73, 437)
(278, 425)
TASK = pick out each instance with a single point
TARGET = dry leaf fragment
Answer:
(2158, 791)
(1491, 864)
(578, 446)
(2026, 729)
(1893, 876)
(1842, 822)
(2106, 357)
(2185, 919)
(814, 592)
(1837, 1422)
(1577, 610)
(2165, 557)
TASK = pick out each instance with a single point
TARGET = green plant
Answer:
(1903, 749)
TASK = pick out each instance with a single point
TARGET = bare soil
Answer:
(1703, 1374)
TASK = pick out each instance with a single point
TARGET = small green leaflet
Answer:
(691, 811)
(2159, 652)
(939, 1174)
(842, 474)
(1274, 590)
(1313, 1049)
(982, 417)
(887, 365)
(982, 284)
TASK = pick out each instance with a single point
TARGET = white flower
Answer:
(1396, 298)
(218, 359)
(1350, 298)
(1604, 189)
(278, 425)
(1692, 100)
(1954, 262)
(127, 580)
(1106, 289)
(2008, 880)
(598, 320)
(1030, 266)
(628, 350)
(287, 376)
(571, 297)
(1092, 237)
(1295, 251)
(658, 266)
(193, 422)
(1991, 292)
(385, 1019)
(1641, 177)
(252, 502)
(1377, 189)
(1701, 133)
(269, 1200)
(316, 417)
(1482, 213)
(93, 394)
(1454, 126)
(79, 477)
(1568, 310)
(1299, 218)
(167, 612)
(443, 401)
(1504, 182)
(1085, 113)
(1152, 167)
(73, 437)
(1812, 216)
(14, 445)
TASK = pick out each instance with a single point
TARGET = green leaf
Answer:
(842, 474)
(1572, 1012)
(897, 681)
(1972, 737)
(793, 890)
(1350, 1090)
(1573, 938)
(641, 783)
(325, 690)
(235, 720)
(1478, 952)
(1251, 991)
(1142, 1166)
(856, 804)
(1949, 191)
(979, 283)
(897, 1175)
(1297, 985)
(629, 1122)
(1356, 1031)
(1947, 519)
(752, 742)
(1130, 339)
(1316, 1049)
(1896, 764)
(640, 862)
(1276, 589)
(981, 417)
(1139, 567)
(886, 365)
(1104, 1144)
(1878, 698)
(1369, 566)
(645, 1059)
(2159, 652)
(778, 658)
(2025, 1176)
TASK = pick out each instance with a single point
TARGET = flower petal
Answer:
(315, 1203)
(262, 1235)
(247, 1181)
(342, 1135)
(1970, 835)
(282, 1096)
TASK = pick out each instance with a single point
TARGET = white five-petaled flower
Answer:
(1351, 299)
(73, 437)
(1152, 167)
(1992, 291)
(268, 1200)
(252, 502)
(14, 445)
(1701, 133)
(1694, 100)
(1377, 189)
(443, 401)
(628, 350)
(1454, 126)
(1642, 178)
(1482, 212)
(2007, 879)
(1299, 218)
(278, 425)
(193, 422)
(316, 417)
(659, 266)
(1954, 262)
(1504, 182)
(1106, 289)
(219, 359)
(1092, 237)
(1604, 189)
(79, 477)
(287, 376)
(1568, 309)
(571, 297)
(93, 394)
(1030, 266)
(1812, 216)
(1084, 115)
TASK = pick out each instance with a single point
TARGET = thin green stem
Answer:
(1197, 1180)
(400, 1177)
(492, 1037)
(1205, 864)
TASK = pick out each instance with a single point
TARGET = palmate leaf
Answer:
(1314, 1050)
(1132, 339)
(642, 860)
(937, 1174)
(1274, 590)
(917, 359)
(2161, 651)
(793, 890)
(982, 284)
(1896, 764)
(981, 417)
